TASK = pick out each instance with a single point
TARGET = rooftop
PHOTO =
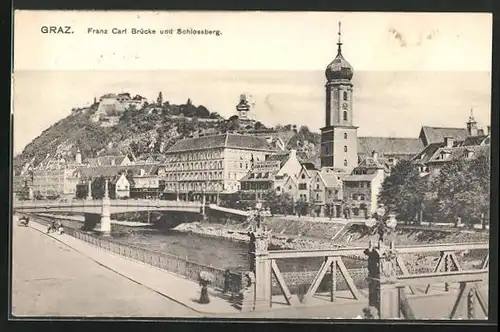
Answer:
(235, 141)
(445, 154)
(437, 134)
(360, 177)
(389, 145)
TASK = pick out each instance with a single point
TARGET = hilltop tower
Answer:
(243, 108)
(339, 137)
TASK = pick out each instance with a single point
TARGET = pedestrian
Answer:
(61, 228)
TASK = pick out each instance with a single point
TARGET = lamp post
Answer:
(380, 224)
(258, 209)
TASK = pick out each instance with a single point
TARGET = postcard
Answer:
(265, 165)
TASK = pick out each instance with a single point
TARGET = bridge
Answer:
(115, 206)
(100, 211)
(393, 279)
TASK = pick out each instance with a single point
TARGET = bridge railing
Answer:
(347, 268)
(95, 205)
(181, 266)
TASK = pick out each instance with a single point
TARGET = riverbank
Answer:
(240, 234)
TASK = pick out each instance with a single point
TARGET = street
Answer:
(51, 279)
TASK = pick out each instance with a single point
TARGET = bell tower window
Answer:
(345, 95)
(345, 115)
(345, 162)
(345, 148)
(345, 135)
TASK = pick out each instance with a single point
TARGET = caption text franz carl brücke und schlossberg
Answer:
(150, 31)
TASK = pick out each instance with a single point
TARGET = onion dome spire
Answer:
(339, 68)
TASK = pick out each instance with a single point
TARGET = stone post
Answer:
(261, 267)
(106, 211)
(89, 189)
(203, 202)
(382, 291)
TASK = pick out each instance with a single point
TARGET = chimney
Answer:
(448, 141)
(374, 155)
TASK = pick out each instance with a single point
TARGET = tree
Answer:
(233, 123)
(258, 125)
(202, 112)
(403, 190)
(463, 189)
(277, 203)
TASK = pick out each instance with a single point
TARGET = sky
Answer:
(409, 69)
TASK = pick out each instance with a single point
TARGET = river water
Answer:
(217, 252)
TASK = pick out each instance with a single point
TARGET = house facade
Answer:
(122, 187)
(271, 174)
(326, 193)
(362, 187)
(56, 176)
(212, 165)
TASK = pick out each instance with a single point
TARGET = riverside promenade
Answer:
(58, 275)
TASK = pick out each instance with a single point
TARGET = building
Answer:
(212, 165)
(303, 183)
(142, 179)
(121, 160)
(145, 181)
(448, 143)
(326, 190)
(339, 136)
(430, 135)
(291, 187)
(392, 148)
(361, 188)
(56, 176)
(122, 187)
(450, 152)
(271, 173)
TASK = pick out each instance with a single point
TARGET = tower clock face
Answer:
(344, 106)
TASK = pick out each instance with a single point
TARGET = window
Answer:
(354, 197)
(317, 186)
(345, 115)
(345, 95)
(345, 162)
(345, 148)
(317, 196)
(302, 186)
(303, 176)
(345, 135)
(290, 187)
(361, 197)
(278, 189)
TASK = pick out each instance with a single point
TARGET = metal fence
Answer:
(178, 265)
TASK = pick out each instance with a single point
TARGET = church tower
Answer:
(339, 137)
(472, 125)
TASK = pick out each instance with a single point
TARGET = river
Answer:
(218, 252)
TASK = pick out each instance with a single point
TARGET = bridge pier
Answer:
(383, 293)
(106, 212)
(90, 221)
(89, 189)
(260, 265)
